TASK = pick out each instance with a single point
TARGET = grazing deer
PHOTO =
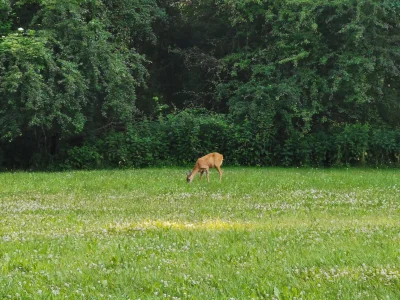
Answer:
(212, 160)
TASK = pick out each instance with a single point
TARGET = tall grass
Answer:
(262, 233)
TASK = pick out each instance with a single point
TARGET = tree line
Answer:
(135, 83)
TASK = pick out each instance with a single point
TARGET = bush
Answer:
(384, 148)
(180, 138)
(84, 157)
(352, 144)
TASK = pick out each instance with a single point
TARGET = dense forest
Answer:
(135, 83)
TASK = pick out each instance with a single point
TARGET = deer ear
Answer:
(189, 173)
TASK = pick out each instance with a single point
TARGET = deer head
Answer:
(188, 178)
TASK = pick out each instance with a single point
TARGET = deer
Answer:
(203, 164)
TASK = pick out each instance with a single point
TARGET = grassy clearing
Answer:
(261, 233)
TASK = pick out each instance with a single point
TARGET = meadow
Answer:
(263, 233)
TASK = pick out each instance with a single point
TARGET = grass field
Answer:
(262, 233)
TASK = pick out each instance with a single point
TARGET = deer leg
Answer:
(220, 173)
(208, 176)
(201, 174)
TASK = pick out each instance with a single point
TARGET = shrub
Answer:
(84, 157)
(352, 144)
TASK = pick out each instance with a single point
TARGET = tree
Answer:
(71, 68)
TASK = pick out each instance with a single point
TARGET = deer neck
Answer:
(194, 173)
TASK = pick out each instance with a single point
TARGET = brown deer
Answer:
(212, 160)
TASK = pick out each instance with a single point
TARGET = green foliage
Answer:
(138, 147)
(177, 139)
(297, 65)
(314, 62)
(144, 83)
(39, 92)
(384, 147)
(180, 138)
(5, 20)
(84, 157)
(353, 143)
(64, 73)
(194, 133)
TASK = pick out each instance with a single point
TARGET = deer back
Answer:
(210, 160)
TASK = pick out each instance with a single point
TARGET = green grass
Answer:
(262, 233)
